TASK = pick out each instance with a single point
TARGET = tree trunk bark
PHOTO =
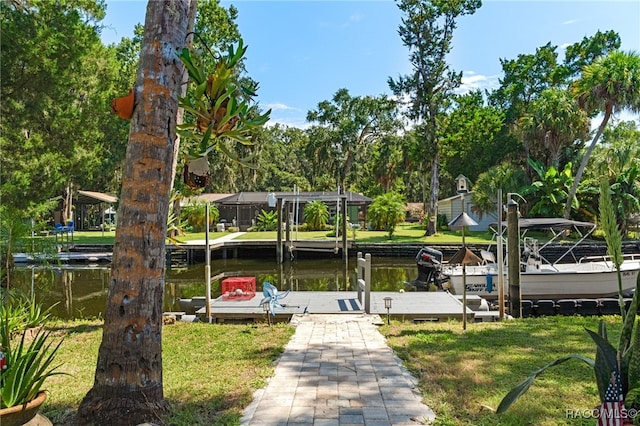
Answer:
(585, 160)
(433, 197)
(127, 389)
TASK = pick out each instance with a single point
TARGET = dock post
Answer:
(279, 243)
(364, 281)
(207, 267)
(513, 258)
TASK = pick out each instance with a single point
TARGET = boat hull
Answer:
(573, 280)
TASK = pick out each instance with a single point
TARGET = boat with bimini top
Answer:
(565, 277)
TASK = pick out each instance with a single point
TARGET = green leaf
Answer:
(629, 320)
(204, 143)
(194, 72)
(633, 373)
(602, 371)
(200, 89)
(606, 359)
(227, 152)
(515, 393)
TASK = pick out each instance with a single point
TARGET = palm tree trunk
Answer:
(585, 160)
(433, 197)
(127, 389)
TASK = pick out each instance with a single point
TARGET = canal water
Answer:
(80, 292)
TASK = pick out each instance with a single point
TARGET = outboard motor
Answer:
(531, 259)
(429, 262)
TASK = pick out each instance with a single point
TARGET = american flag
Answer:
(612, 411)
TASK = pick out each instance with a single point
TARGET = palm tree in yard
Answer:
(553, 124)
(127, 388)
(610, 84)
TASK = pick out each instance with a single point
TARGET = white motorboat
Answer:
(588, 277)
(584, 279)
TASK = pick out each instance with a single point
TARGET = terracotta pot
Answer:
(21, 414)
(123, 107)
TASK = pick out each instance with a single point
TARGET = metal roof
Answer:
(91, 197)
(253, 198)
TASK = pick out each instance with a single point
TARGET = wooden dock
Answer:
(64, 257)
(411, 306)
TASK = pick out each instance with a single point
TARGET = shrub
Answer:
(267, 221)
(386, 211)
(316, 215)
(194, 216)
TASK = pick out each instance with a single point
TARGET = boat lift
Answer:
(284, 201)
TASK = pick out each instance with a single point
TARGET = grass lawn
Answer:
(465, 374)
(210, 371)
(404, 233)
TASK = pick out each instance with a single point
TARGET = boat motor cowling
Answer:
(429, 262)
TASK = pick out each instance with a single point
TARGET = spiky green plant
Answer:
(29, 352)
(626, 357)
(28, 366)
(611, 233)
(19, 311)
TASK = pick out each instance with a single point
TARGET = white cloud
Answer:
(472, 81)
(571, 22)
(286, 115)
(300, 123)
(277, 106)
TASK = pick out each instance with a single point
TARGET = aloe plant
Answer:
(28, 366)
(623, 357)
(20, 311)
(29, 352)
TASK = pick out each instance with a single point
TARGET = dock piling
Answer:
(364, 281)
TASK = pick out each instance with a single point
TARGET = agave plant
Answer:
(612, 362)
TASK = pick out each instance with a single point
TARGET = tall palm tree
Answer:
(608, 85)
(553, 123)
(128, 387)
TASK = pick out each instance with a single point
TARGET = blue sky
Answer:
(301, 52)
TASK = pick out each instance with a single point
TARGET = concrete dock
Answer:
(416, 306)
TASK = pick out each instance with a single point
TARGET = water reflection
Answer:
(80, 292)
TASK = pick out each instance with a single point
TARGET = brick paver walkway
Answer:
(338, 370)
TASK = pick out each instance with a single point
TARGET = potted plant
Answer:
(616, 367)
(27, 356)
